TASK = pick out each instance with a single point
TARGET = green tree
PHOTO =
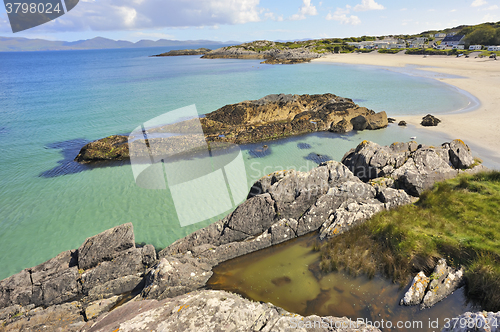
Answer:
(485, 35)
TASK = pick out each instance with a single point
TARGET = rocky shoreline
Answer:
(268, 118)
(269, 51)
(198, 51)
(76, 290)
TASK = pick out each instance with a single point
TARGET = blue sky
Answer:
(246, 20)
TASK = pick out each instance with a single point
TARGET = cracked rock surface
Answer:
(208, 310)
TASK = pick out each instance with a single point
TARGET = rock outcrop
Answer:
(106, 265)
(207, 311)
(198, 51)
(413, 167)
(264, 50)
(271, 117)
(427, 291)
(430, 121)
(114, 147)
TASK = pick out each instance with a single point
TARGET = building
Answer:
(458, 47)
(440, 35)
(493, 48)
(453, 40)
(475, 47)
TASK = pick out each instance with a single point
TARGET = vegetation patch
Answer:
(458, 219)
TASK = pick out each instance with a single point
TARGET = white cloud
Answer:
(341, 15)
(307, 9)
(272, 16)
(477, 3)
(494, 7)
(368, 5)
(490, 18)
(453, 10)
(111, 15)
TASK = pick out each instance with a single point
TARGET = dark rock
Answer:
(114, 147)
(402, 123)
(317, 158)
(283, 230)
(359, 123)
(391, 120)
(460, 155)
(377, 121)
(393, 198)
(342, 127)
(17, 289)
(105, 246)
(58, 318)
(127, 263)
(149, 257)
(413, 168)
(56, 289)
(251, 217)
(429, 121)
(173, 276)
(99, 307)
(211, 310)
(115, 287)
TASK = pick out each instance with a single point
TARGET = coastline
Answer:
(478, 77)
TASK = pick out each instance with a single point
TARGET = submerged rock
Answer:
(429, 121)
(402, 123)
(317, 158)
(303, 146)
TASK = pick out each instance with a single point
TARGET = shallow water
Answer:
(288, 276)
(52, 103)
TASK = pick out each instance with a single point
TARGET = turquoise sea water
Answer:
(52, 103)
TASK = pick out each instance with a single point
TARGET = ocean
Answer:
(53, 103)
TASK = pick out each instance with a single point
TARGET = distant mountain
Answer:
(13, 44)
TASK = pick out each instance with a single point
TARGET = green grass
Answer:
(390, 51)
(458, 219)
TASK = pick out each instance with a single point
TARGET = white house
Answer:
(475, 47)
(440, 35)
(493, 48)
(458, 47)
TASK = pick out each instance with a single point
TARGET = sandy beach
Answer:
(479, 77)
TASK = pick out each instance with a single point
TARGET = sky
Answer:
(247, 20)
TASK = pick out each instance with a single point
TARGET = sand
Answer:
(479, 77)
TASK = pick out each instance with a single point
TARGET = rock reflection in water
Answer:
(288, 276)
